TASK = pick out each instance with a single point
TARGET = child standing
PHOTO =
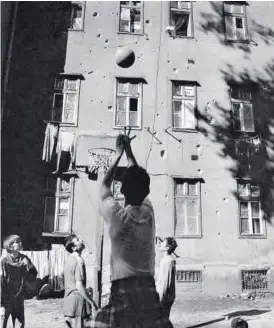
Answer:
(14, 269)
(77, 302)
(166, 279)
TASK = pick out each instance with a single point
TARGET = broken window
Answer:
(128, 104)
(58, 202)
(131, 20)
(187, 208)
(242, 109)
(65, 99)
(249, 196)
(254, 280)
(77, 15)
(183, 104)
(235, 21)
(181, 18)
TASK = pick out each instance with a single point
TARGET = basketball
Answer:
(125, 57)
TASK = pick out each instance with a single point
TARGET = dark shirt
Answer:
(13, 275)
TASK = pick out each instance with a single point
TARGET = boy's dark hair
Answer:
(171, 244)
(68, 243)
(135, 185)
(9, 240)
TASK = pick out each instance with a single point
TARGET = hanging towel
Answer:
(49, 142)
(64, 150)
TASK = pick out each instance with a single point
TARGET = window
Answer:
(187, 208)
(249, 196)
(241, 102)
(58, 205)
(128, 103)
(181, 18)
(131, 20)
(235, 21)
(65, 99)
(77, 15)
(254, 280)
(183, 105)
(188, 276)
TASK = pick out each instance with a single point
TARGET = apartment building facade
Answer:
(194, 80)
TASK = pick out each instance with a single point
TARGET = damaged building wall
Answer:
(204, 153)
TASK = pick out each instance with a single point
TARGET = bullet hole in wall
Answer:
(217, 212)
(147, 21)
(90, 72)
(225, 199)
(158, 114)
(169, 61)
(95, 14)
(163, 153)
(200, 171)
(106, 41)
(175, 70)
(110, 108)
(98, 35)
(136, 42)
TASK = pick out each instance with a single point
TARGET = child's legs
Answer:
(19, 311)
(5, 318)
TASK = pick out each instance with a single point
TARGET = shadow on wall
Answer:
(252, 151)
(213, 22)
(39, 53)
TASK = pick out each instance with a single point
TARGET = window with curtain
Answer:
(181, 18)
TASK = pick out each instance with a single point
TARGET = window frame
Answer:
(234, 15)
(142, 32)
(65, 92)
(140, 103)
(83, 5)
(241, 102)
(57, 195)
(190, 12)
(249, 199)
(198, 181)
(188, 84)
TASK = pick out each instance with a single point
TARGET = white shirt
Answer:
(132, 234)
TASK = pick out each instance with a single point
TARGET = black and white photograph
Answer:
(137, 164)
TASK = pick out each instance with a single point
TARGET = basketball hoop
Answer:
(100, 160)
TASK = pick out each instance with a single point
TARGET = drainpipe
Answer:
(8, 57)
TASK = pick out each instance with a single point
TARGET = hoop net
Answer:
(100, 159)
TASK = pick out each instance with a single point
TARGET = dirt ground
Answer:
(185, 313)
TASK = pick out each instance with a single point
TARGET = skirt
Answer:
(133, 303)
(76, 305)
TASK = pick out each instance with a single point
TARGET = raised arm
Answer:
(108, 178)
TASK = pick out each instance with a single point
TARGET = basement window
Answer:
(131, 17)
(77, 15)
(128, 103)
(254, 280)
(181, 18)
(188, 276)
(235, 21)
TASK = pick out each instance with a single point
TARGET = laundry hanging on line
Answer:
(49, 142)
(64, 150)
